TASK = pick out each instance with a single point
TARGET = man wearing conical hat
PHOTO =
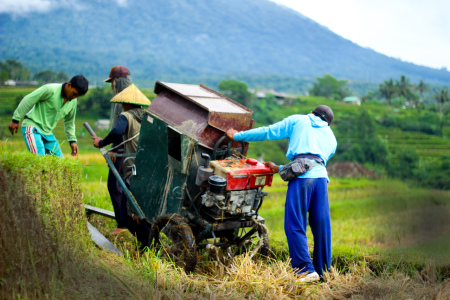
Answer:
(127, 129)
(120, 79)
(128, 124)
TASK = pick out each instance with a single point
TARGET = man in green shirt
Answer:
(42, 109)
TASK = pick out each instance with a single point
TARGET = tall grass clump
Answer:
(43, 223)
(45, 247)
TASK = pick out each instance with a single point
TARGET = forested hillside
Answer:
(176, 40)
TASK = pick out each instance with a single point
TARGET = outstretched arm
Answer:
(114, 135)
(277, 131)
(69, 125)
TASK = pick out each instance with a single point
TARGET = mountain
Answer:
(180, 39)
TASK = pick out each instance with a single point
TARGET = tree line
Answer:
(396, 93)
(399, 92)
(12, 69)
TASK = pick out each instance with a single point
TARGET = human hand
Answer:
(272, 166)
(113, 158)
(230, 133)
(74, 147)
(13, 127)
(96, 141)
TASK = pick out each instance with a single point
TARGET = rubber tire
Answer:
(177, 231)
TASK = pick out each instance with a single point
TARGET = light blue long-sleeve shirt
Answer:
(307, 134)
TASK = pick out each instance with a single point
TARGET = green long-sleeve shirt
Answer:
(43, 109)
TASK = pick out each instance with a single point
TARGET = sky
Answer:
(416, 31)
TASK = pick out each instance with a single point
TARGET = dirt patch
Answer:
(350, 169)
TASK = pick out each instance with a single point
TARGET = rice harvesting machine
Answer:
(191, 185)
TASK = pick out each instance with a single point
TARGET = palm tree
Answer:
(421, 87)
(442, 98)
(387, 90)
(404, 87)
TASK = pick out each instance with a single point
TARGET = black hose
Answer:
(260, 203)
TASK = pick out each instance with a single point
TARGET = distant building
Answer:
(279, 97)
(102, 124)
(10, 82)
(26, 83)
(352, 100)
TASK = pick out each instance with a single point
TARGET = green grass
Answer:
(438, 248)
(8, 96)
(386, 214)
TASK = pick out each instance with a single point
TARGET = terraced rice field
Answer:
(427, 146)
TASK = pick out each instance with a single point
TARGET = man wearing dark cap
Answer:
(120, 79)
(312, 142)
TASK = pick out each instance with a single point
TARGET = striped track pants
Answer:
(40, 144)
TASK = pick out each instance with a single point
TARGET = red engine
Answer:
(234, 187)
(243, 174)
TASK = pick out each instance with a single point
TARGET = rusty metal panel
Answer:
(203, 96)
(182, 114)
(219, 105)
(199, 112)
(184, 89)
(223, 121)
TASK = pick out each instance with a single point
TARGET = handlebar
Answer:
(89, 129)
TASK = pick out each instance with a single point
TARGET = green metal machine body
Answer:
(163, 168)
(182, 122)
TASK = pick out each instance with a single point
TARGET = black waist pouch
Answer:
(297, 167)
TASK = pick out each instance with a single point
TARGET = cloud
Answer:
(23, 7)
(26, 6)
(122, 3)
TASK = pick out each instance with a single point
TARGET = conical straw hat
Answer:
(131, 95)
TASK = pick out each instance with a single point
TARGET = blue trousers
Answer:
(40, 144)
(308, 195)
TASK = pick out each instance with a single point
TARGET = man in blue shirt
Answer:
(311, 137)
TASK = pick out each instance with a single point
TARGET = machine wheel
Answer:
(174, 237)
(251, 241)
(226, 151)
(256, 243)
